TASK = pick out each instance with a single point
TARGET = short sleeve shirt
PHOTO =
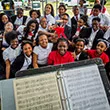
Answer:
(43, 53)
(11, 54)
(103, 56)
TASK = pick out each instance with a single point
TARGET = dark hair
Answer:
(19, 9)
(74, 7)
(37, 39)
(2, 14)
(97, 6)
(80, 40)
(96, 19)
(84, 1)
(37, 11)
(84, 18)
(62, 39)
(103, 2)
(65, 14)
(24, 42)
(52, 9)
(105, 41)
(11, 36)
(62, 5)
(26, 29)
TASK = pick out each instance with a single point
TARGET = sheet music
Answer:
(37, 93)
(85, 89)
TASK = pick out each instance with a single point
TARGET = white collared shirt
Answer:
(107, 34)
(40, 29)
(91, 38)
(18, 21)
(77, 16)
(104, 19)
(29, 18)
(77, 56)
(11, 54)
(50, 19)
(27, 62)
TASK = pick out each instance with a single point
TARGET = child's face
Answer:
(27, 49)
(20, 13)
(32, 27)
(80, 23)
(43, 22)
(5, 19)
(101, 47)
(54, 38)
(43, 41)
(95, 25)
(81, 2)
(9, 27)
(62, 47)
(96, 12)
(61, 10)
(34, 15)
(14, 43)
(76, 11)
(48, 9)
(79, 46)
(65, 19)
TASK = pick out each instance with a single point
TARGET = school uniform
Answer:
(42, 53)
(81, 56)
(103, 56)
(55, 58)
(50, 19)
(11, 54)
(104, 19)
(83, 10)
(88, 33)
(67, 32)
(22, 62)
(74, 20)
(18, 21)
(29, 18)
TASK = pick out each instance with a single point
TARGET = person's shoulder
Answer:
(7, 50)
(105, 55)
(36, 48)
(50, 45)
(69, 53)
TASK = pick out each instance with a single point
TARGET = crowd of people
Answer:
(36, 41)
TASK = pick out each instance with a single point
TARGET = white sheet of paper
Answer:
(85, 89)
(37, 93)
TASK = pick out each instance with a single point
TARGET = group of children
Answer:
(50, 41)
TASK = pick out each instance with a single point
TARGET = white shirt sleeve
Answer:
(5, 55)
(35, 50)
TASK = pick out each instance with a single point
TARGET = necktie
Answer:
(76, 18)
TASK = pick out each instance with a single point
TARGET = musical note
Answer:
(85, 89)
(37, 93)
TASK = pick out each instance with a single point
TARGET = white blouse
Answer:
(43, 53)
(11, 54)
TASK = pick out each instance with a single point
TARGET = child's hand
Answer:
(73, 54)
